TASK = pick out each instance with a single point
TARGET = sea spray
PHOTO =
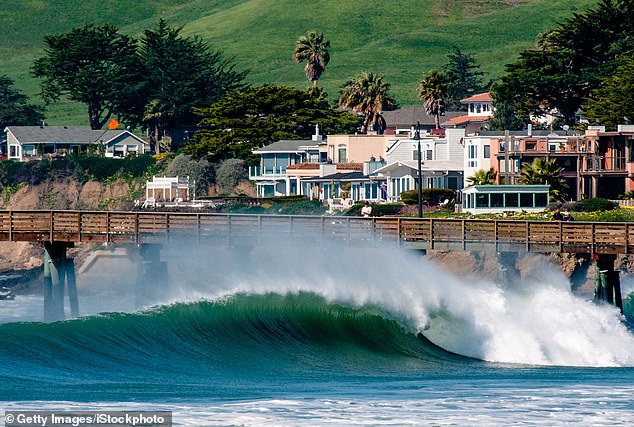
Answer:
(541, 322)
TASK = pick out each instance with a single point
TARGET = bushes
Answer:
(199, 171)
(431, 196)
(591, 205)
(230, 173)
(80, 168)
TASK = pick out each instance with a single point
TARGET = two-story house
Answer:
(270, 176)
(441, 163)
(479, 111)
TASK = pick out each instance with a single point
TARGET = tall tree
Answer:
(368, 94)
(613, 101)
(180, 73)
(570, 62)
(313, 49)
(545, 172)
(94, 65)
(432, 89)
(15, 109)
(464, 79)
(506, 117)
(252, 118)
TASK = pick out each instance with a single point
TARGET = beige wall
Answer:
(359, 148)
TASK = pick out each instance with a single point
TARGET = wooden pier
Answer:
(147, 231)
(427, 233)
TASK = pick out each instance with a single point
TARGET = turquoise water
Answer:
(326, 345)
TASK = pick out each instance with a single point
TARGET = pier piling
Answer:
(607, 281)
(57, 268)
(508, 275)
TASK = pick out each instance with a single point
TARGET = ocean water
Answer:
(286, 335)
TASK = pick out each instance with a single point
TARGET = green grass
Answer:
(400, 39)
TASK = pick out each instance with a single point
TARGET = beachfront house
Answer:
(440, 160)
(25, 143)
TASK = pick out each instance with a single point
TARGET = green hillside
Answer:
(400, 38)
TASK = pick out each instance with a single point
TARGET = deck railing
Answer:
(426, 233)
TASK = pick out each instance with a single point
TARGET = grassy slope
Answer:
(401, 39)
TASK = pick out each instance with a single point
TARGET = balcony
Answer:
(256, 172)
(604, 164)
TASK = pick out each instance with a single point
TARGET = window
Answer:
(341, 154)
(526, 200)
(472, 154)
(482, 200)
(471, 108)
(28, 150)
(13, 151)
(541, 200)
(497, 200)
(429, 155)
(473, 151)
(487, 151)
(511, 200)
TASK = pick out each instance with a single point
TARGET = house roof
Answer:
(427, 166)
(340, 176)
(65, 134)
(463, 120)
(406, 117)
(287, 146)
(486, 96)
(348, 166)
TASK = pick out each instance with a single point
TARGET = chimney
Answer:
(529, 131)
(317, 136)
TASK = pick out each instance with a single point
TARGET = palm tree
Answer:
(543, 171)
(482, 177)
(432, 88)
(367, 94)
(313, 49)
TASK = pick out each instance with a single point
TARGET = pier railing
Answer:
(427, 233)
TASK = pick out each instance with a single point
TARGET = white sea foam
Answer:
(598, 406)
(541, 323)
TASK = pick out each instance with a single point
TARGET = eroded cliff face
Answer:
(66, 194)
(477, 266)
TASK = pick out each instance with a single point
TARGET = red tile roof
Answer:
(463, 120)
(304, 166)
(486, 96)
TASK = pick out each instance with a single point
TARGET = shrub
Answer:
(431, 196)
(199, 171)
(594, 205)
(230, 173)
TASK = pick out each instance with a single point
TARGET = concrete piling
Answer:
(607, 281)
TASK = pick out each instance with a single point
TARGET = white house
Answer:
(35, 142)
(479, 110)
(477, 154)
(441, 163)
